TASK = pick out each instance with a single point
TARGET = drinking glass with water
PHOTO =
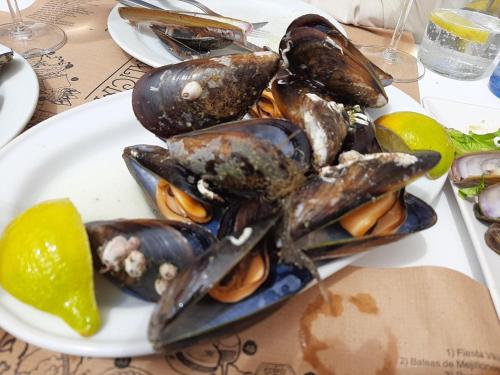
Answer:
(462, 39)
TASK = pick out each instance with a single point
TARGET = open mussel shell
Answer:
(203, 92)
(325, 122)
(171, 191)
(320, 23)
(186, 315)
(334, 241)
(355, 181)
(488, 204)
(469, 169)
(249, 157)
(323, 58)
(145, 255)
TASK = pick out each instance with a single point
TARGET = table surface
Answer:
(458, 252)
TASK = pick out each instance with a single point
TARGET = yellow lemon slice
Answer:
(45, 261)
(421, 132)
(460, 26)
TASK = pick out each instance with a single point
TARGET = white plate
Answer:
(18, 97)
(461, 116)
(146, 47)
(77, 154)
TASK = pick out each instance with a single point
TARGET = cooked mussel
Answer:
(327, 60)
(356, 180)
(325, 122)
(408, 215)
(470, 169)
(247, 157)
(171, 191)
(200, 93)
(322, 24)
(186, 315)
(144, 256)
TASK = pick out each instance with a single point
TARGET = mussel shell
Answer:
(198, 38)
(150, 166)
(185, 315)
(325, 60)
(325, 122)
(469, 169)
(245, 213)
(320, 23)
(492, 237)
(334, 242)
(176, 47)
(160, 241)
(200, 93)
(357, 180)
(246, 157)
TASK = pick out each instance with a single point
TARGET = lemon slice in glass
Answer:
(45, 261)
(460, 26)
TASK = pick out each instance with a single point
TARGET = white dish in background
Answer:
(146, 47)
(18, 96)
(77, 154)
(461, 116)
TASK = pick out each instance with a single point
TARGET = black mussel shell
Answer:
(492, 237)
(320, 23)
(249, 157)
(362, 137)
(151, 166)
(334, 242)
(149, 163)
(325, 60)
(134, 253)
(176, 47)
(203, 92)
(198, 38)
(325, 122)
(358, 179)
(185, 315)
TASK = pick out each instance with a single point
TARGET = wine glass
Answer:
(30, 38)
(394, 61)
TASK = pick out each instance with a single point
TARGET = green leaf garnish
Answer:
(472, 191)
(472, 142)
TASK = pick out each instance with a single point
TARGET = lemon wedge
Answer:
(460, 26)
(421, 132)
(45, 261)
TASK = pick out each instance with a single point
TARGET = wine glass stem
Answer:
(390, 52)
(19, 30)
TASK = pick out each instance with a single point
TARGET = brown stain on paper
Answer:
(311, 346)
(391, 356)
(365, 303)
(338, 353)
